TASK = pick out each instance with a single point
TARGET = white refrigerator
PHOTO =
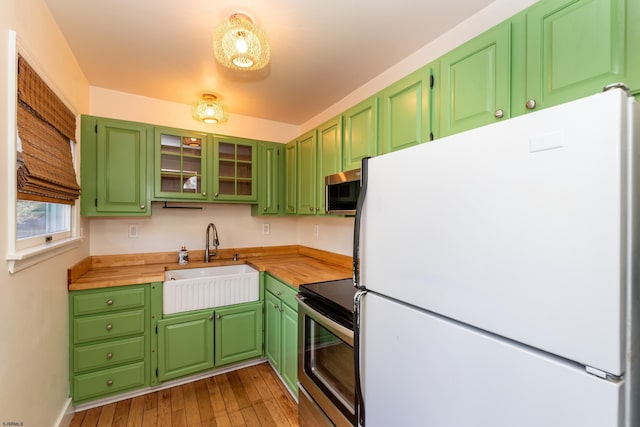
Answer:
(501, 274)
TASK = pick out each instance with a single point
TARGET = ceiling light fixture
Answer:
(208, 110)
(240, 45)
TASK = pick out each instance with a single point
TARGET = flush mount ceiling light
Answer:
(240, 45)
(208, 110)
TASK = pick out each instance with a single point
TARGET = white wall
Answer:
(34, 362)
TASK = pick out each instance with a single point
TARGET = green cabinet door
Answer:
(289, 360)
(360, 133)
(329, 157)
(306, 174)
(271, 177)
(185, 344)
(238, 332)
(180, 165)
(114, 167)
(475, 82)
(576, 47)
(234, 169)
(291, 181)
(405, 112)
(272, 329)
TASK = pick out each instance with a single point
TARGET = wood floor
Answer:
(252, 396)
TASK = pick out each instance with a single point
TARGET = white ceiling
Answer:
(320, 50)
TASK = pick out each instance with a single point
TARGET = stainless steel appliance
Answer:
(342, 190)
(325, 354)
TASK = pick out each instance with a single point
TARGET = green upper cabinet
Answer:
(306, 174)
(576, 47)
(475, 82)
(270, 179)
(360, 133)
(180, 165)
(328, 158)
(234, 169)
(291, 182)
(114, 167)
(405, 111)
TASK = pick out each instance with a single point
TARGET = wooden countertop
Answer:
(295, 265)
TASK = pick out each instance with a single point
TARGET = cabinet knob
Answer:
(110, 383)
(110, 302)
(109, 327)
(204, 194)
(531, 104)
(142, 207)
(109, 355)
(311, 209)
(215, 194)
(281, 310)
(276, 306)
(499, 114)
(264, 209)
(218, 317)
(210, 317)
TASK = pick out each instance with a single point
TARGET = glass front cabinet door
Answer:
(180, 172)
(234, 169)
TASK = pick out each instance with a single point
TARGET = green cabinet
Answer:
(360, 137)
(270, 179)
(475, 82)
(291, 179)
(203, 339)
(328, 158)
(234, 169)
(576, 47)
(306, 174)
(109, 333)
(238, 333)
(405, 111)
(281, 330)
(180, 165)
(113, 169)
(185, 344)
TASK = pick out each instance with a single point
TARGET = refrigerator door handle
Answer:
(356, 225)
(357, 299)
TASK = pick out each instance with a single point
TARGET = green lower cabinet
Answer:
(185, 344)
(238, 332)
(109, 351)
(281, 330)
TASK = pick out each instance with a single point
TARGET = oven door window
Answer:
(328, 361)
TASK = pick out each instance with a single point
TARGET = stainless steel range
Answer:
(325, 354)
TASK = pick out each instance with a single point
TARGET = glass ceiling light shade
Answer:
(208, 110)
(239, 45)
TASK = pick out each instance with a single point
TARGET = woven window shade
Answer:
(45, 127)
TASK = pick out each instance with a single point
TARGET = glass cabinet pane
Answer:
(235, 169)
(181, 166)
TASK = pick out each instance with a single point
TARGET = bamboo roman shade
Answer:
(45, 128)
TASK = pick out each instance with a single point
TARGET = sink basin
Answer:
(209, 287)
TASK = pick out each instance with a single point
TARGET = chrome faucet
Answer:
(216, 242)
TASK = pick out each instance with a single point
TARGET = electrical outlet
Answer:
(265, 229)
(316, 230)
(133, 231)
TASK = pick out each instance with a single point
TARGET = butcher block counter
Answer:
(294, 265)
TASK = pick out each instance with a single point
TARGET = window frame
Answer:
(19, 257)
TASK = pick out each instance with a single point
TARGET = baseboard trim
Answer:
(65, 417)
(167, 384)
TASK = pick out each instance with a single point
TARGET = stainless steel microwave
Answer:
(342, 191)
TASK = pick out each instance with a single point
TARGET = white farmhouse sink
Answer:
(208, 287)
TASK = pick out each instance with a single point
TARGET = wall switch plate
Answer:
(265, 229)
(133, 231)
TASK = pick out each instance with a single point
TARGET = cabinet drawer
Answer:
(283, 291)
(108, 354)
(111, 300)
(114, 325)
(108, 381)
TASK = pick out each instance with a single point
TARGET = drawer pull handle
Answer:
(109, 355)
(110, 302)
(109, 327)
(110, 383)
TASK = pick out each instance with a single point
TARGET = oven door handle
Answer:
(345, 334)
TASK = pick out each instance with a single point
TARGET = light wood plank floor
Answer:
(252, 396)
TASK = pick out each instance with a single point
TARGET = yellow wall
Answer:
(33, 302)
